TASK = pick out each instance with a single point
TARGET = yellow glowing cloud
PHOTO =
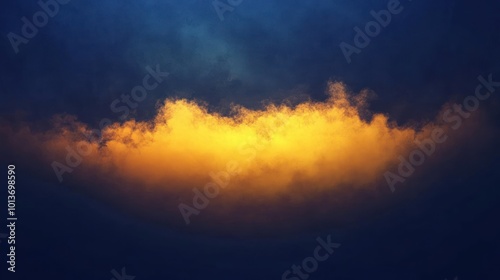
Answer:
(322, 144)
(254, 154)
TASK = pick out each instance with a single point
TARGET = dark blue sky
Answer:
(92, 52)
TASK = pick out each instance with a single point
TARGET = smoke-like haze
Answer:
(281, 154)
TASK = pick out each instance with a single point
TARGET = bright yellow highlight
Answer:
(312, 146)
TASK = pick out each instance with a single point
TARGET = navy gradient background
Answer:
(91, 52)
